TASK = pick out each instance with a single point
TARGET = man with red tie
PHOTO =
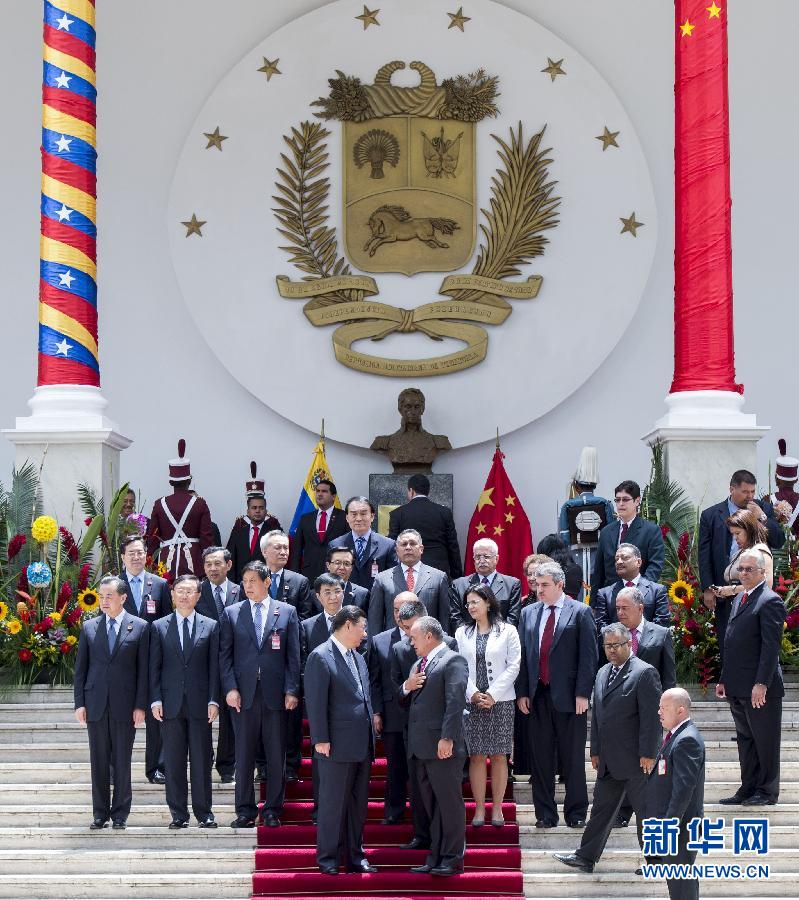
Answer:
(244, 542)
(315, 531)
(628, 562)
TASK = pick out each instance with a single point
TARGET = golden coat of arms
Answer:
(410, 206)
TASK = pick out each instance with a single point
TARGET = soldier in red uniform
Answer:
(244, 542)
(180, 524)
(786, 475)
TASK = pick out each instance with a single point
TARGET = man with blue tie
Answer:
(148, 598)
(374, 553)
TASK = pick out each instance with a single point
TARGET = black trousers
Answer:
(294, 739)
(396, 793)
(608, 794)
(187, 738)
(721, 615)
(154, 751)
(343, 807)
(759, 733)
(556, 734)
(419, 812)
(440, 782)
(225, 743)
(683, 888)
(111, 745)
(251, 725)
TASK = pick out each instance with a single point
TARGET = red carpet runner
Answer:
(285, 860)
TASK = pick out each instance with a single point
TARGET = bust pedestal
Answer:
(387, 492)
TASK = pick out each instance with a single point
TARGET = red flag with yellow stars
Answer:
(499, 515)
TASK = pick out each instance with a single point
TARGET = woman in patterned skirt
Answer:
(493, 652)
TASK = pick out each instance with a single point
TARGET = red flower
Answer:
(64, 648)
(24, 655)
(24, 615)
(682, 546)
(69, 544)
(63, 596)
(15, 545)
(83, 577)
(74, 617)
(664, 530)
(87, 520)
(792, 620)
(687, 640)
(693, 626)
(22, 581)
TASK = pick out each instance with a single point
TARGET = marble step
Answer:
(127, 885)
(625, 861)
(562, 838)
(615, 884)
(99, 860)
(783, 813)
(66, 837)
(714, 789)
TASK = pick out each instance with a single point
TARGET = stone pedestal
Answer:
(387, 492)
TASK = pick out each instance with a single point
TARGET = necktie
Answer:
(623, 532)
(112, 635)
(218, 599)
(546, 646)
(612, 676)
(484, 579)
(409, 580)
(329, 624)
(360, 549)
(135, 584)
(322, 526)
(634, 639)
(629, 584)
(186, 638)
(744, 599)
(666, 739)
(354, 669)
(422, 665)
(254, 540)
(274, 586)
(258, 621)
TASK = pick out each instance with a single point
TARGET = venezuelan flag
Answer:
(307, 501)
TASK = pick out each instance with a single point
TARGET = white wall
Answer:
(156, 67)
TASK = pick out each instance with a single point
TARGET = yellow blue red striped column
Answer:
(68, 247)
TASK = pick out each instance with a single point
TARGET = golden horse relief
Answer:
(389, 224)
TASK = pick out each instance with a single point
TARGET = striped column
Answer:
(68, 248)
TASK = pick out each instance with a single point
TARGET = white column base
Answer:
(69, 437)
(706, 436)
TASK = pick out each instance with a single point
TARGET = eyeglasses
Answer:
(623, 499)
(185, 592)
(747, 569)
(616, 645)
(484, 556)
(135, 553)
(475, 601)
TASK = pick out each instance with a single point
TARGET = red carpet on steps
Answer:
(285, 858)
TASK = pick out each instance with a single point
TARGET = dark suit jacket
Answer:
(295, 590)
(624, 721)
(572, 658)
(153, 588)
(116, 682)
(506, 588)
(656, 647)
(172, 677)
(206, 605)
(337, 712)
(645, 535)
(240, 659)
(752, 645)
(384, 694)
(431, 587)
(656, 603)
(239, 544)
(435, 710)
(313, 632)
(403, 657)
(680, 791)
(355, 595)
(307, 552)
(715, 540)
(435, 524)
(379, 550)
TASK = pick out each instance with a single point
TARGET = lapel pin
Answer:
(130, 626)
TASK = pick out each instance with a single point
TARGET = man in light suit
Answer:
(372, 552)
(339, 561)
(435, 696)
(559, 660)
(507, 590)
(676, 786)
(434, 523)
(625, 736)
(217, 592)
(629, 528)
(315, 531)
(431, 586)
(340, 716)
(184, 692)
(259, 661)
(110, 692)
(751, 680)
(628, 562)
(148, 597)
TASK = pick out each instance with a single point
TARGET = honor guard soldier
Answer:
(244, 542)
(785, 498)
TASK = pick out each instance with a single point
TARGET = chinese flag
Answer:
(499, 515)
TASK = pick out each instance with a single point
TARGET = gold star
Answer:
(485, 498)
(269, 68)
(630, 225)
(368, 17)
(554, 68)
(481, 528)
(458, 20)
(510, 500)
(687, 28)
(193, 226)
(715, 11)
(509, 517)
(498, 529)
(608, 138)
(215, 139)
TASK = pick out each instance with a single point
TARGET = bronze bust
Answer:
(411, 448)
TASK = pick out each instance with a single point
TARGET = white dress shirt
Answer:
(264, 613)
(179, 619)
(558, 607)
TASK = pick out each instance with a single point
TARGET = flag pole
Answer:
(322, 435)
(497, 437)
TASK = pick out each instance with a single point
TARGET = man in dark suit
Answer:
(717, 545)
(340, 717)
(434, 523)
(372, 552)
(184, 692)
(676, 786)
(339, 561)
(248, 531)
(628, 562)
(431, 586)
(506, 588)
(629, 528)
(559, 659)
(110, 691)
(435, 695)
(625, 736)
(259, 661)
(751, 680)
(148, 597)
(316, 530)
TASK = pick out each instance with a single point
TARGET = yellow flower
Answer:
(680, 591)
(14, 626)
(71, 640)
(160, 570)
(3, 610)
(88, 600)
(55, 617)
(44, 529)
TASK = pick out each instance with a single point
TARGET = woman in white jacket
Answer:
(492, 650)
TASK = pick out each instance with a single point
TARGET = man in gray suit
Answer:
(435, 695)
(110, 698)
(506, 588)
(340, 716)
(430, 585)
(625, 736)
(628, 562)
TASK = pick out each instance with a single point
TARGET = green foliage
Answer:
(17, 505)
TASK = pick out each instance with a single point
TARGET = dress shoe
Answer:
(242, 822)
(415, 844)
(260, 776)
(328, 870)
(735, 800)
(574, 861)
(478, 823)
(177, 824)
(158, 777)
(621, 822)
(758, 799)
(498, 823)
(447, 869)
(208, 822)
(291, 775)
(119, 825)
(271, 820)
(576, 823)
(392, 820)
(98, 824)
(227, 779)
(363, 867)
(639, 871)
(545, 823)
(422, 870)
(314, 816)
